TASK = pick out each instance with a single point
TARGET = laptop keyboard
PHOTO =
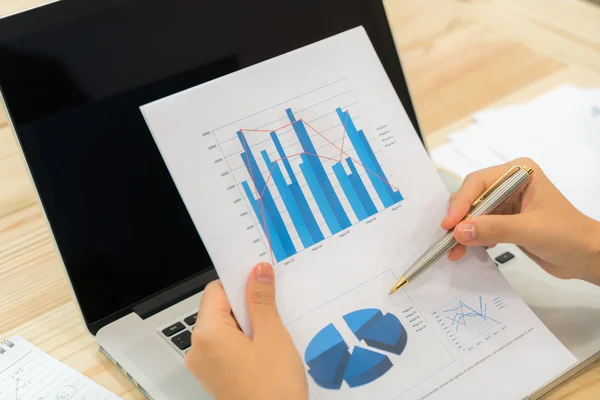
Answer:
(173, 329)
(179, 333)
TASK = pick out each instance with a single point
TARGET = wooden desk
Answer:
(459, 56)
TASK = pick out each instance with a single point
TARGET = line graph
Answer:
(470, 320)
(460, 314)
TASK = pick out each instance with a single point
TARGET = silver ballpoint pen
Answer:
(495, 195)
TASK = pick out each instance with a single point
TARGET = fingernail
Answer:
(465, 232)
(264, 273)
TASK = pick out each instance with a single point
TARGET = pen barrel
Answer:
(487, 205)
(431, 256)
(498, 196)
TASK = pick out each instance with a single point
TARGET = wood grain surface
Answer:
(459, 56)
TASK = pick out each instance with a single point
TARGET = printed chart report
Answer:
(309, 161)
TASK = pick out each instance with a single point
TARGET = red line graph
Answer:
(259, 196)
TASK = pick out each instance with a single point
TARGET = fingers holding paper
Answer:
(266, 366)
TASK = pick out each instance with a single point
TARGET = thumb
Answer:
(260, 296)
(493, 229)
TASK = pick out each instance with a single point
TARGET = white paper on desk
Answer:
(567, 151)
(537, 106)
(356, 340)
(576, 110)
(468, 143)
(27, 373)
(446, 157)
(563, 102)
(584, 129)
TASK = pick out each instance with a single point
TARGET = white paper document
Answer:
(560, 130)
(565, 102)
(310, 162)
(449, 159)
(27, 373)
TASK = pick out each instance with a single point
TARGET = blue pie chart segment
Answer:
(365, 366)
(386, 334)
(359, 321)
(331, 362)
(327, 356)
(383, 332)
(327, 338)
(328, 369)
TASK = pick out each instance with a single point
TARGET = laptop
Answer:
(73, 76)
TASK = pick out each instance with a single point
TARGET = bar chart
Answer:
(339, 172)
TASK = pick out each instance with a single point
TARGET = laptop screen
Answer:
(74, 75)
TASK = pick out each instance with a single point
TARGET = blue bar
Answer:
(319, 196)
(351, 194)
(305, 211)
(319, 171)
(361, 190)
(397, 196)
(269, 229)
(286, 162)
(369, 161)
(380, 172)
(289, 201)
(269, 208)
(265, 197)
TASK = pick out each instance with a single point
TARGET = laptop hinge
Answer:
(174, 295)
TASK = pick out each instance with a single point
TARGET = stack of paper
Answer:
(559, 130)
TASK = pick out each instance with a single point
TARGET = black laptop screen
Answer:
(74, 74)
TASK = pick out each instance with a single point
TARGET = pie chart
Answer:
(331, 362)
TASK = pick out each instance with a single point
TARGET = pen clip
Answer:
(494, 185)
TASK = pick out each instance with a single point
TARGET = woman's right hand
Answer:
(537, 218)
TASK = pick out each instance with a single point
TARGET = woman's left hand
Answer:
(229, 364)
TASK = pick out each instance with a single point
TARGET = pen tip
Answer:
(403, 281)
